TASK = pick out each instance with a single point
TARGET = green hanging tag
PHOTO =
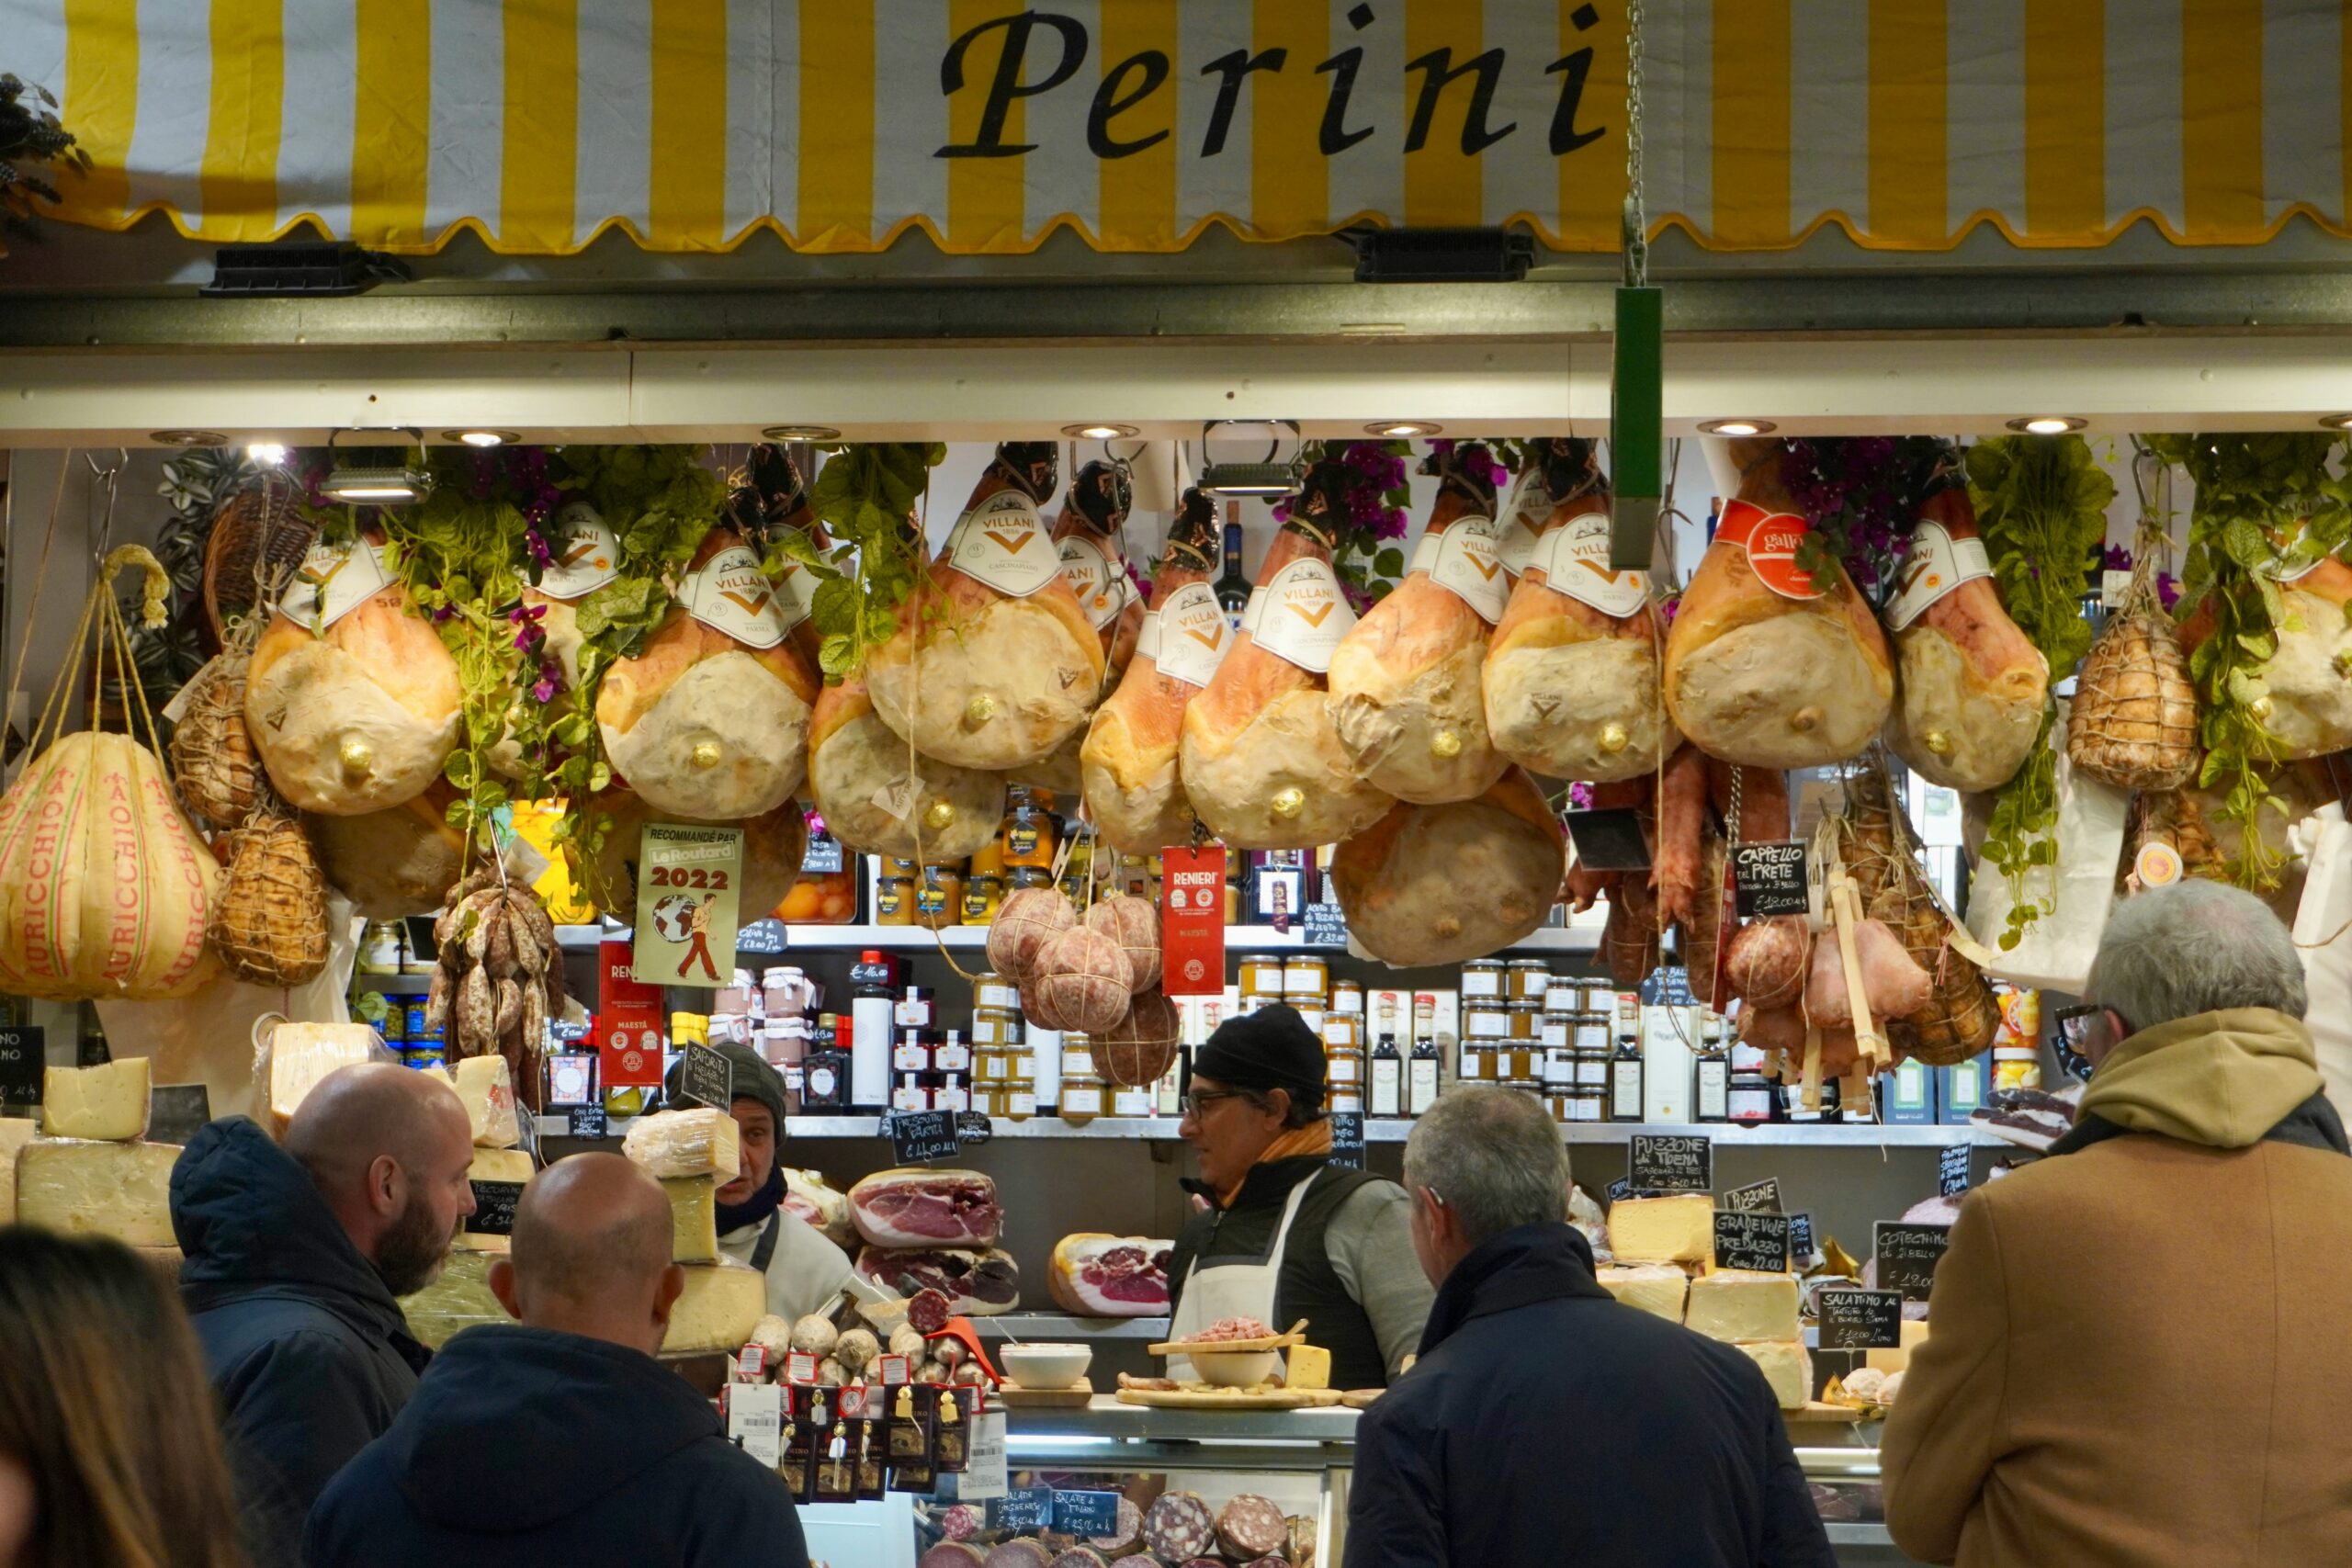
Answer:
(1636, 436)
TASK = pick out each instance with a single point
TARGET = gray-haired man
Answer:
(1545, 1422)
(2179, 1266)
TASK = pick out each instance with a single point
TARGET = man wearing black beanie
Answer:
(1284, 1233)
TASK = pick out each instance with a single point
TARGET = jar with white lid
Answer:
(736, 998)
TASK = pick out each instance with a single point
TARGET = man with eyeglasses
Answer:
(1284, 1234)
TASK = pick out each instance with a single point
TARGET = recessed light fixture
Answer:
(1737, 427)
(1269, 478)
(483, 438)
(801, 433)
(2337, 420)
(2048, 424)
(188, 438)
(268, 453)
(1100, 432)
(377, 484)
(1402, 429)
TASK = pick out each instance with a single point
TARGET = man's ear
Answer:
(502, 1285)
(665, 1296)
(1437, 1220)
(383, 1185)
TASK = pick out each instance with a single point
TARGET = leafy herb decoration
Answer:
(1374, 493)
(1862, 495)
(865, 496)
(2266, 508)
(30, 137)
(2041, 503)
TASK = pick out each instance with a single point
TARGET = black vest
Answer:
(1307, 1287)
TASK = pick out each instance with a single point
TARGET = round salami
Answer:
(929, 1311)
(1080, 1557)
(1179, 1527)
(1124, 1537)
(1020, 1554)
(961, 1521)
(1251, 1527)
(952, 1554)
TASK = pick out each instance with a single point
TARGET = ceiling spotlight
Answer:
(482, 438)
(1269, 478)
(268, 453)
(801, 433)
(2048, 424)
(188, 438)
(1100, 432)
(2337, 420)
(377, 484)
(1403, 429)
(1737, 427)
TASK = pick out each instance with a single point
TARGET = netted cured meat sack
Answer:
(876, 796)
(1440, 883)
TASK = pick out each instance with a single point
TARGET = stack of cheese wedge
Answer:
(1666, 1252)
(693, 1154)
(90, 1171)
(461, 1297)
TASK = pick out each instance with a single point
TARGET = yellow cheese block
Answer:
(85, 1189)
(15, 1132)
(1736, 1304)
(1309, 1367)
(492, 1165)
(693, 1218)
(302, 1054)
(1915, 1333)
(722, 1305)
(108, 1102)
(701, 1141)
(1680, 1229)
(488, 1090)
(459, 1299)
(1654, 1288)
(1786, 1367)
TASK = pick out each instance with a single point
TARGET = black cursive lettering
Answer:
(1006, 87)
(1440, 71)
(1109, 102)
(1233, 67)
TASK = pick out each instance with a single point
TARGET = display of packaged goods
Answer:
(693, 1218)
(121, 1189)
(1680, 1229)
(1657, 1289)
(106, 1101)
(700, 1142)
(1737, 1305)
(488, 1091)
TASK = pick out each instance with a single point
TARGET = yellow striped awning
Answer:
(840, 124)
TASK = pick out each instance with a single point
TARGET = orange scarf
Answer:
(1314, 1138)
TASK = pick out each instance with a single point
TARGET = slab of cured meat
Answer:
(1440, 883)
(928, 1207)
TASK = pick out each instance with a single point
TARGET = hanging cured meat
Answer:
(1089, 536)
(1960, 1016)
(879, 798)
(1440, 883)
(774, 846)
(1131, 787)
(2307, 683)
(1405, 683)
(1973, 687)
(770, 498)
(710, 720)
(351, 700)
(1571, 675)
(396, 861)
(1262, 760)
(994, 663)
(1765, 665)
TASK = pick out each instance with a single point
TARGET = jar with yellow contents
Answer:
(939, 897)
(983, 896)
(893, 899)
(1028, 838)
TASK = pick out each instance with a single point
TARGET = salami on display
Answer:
(953, 1554)
(1251, 1527)
(1020, 1554)
(1127, 1533)
(1179, 1527)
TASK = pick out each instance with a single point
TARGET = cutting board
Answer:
(1219, 1399)
(1012, 1396)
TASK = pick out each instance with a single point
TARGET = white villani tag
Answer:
(1099, 580)
(730, 593)
(1575, 562)
(796, 594)
(1301, 615)
(587, 557)
(1466, 560)
(1938, 564)
(1522, 525)
(1002, 544)
(1186, 635)
(332, 582)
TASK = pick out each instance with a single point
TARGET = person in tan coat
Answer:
(2140, 1354)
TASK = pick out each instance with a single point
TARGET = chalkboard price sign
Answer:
(1860, 1320)
(1756, 1198)
(1752, 1240)
(1620, 1190)
(918, 1137)
(706, 1077)
(1346, 1142)
(1951, 1171)
(763, 939)
(1608, 839)
(590, 1121)
(1031, 1508)
(1908, 1256)
(1325, 926)
(23, 1058)
(1801, 1239)
(973, 1127)
(177, 1113)
(495, 1207)
(1769, 879)
(1668, 985)
(1671, 1162)
(1086, 1513)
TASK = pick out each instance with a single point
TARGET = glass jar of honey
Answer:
(894, 901)
(939, 897)
(983, 895)
(1028, 838)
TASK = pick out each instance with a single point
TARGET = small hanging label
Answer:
(898, 797)
(1522, 527)
(1096, 578)
(1951, 1171)
(1300, 616)
(587, 557)
(730, 593)
(1574, 558)
(755, 1419)
(1465, 558)
(2157, 865)
(1938, 564)
(1003, 543)
(332, 581)
(1186, 635)
(1769, 877)
(1771, 541)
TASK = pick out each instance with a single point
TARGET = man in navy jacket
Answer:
(563, 1441)
(1544, 1421)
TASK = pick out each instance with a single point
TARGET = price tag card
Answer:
(1667, 985)
(1769, 879)
(1801, 1239)
(894, 1371)
(1859, 1319)
(984, 1474)
(590, 1121)
(1347, 1144)
(755, 1420)
(23, 1058)
(1756, 1198)
(799, 1367)
(1192, 921)
(1951, 1171)
(1608, 839)
(1086, 1513)
(177, 1113)
(918, 1137)
(1908, 1256)
(706, 1077)
(1749, 1239)
(495, 1207)
(761, 939)
(687, 881)
(1325, 926)
(1671, 1162)
(973, 1127)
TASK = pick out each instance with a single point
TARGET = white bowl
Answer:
(1234, 1369)
(1046, 1365)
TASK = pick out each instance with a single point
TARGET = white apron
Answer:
(1214, 1291)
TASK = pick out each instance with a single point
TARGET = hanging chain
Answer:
(1637, 225)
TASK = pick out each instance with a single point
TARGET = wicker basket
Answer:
(270, 926)
(2134, 718)
(1961, 1015)
(259, 536)
(213, 766)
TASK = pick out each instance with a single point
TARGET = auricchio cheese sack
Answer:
(1440, 883)
(774, 844)
(994, 663)
(875, 797)
(587, 557)
(710, 720)
(1571, 676)
(351, 700)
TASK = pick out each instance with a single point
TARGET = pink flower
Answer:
(2167, 590)
(1580, 796)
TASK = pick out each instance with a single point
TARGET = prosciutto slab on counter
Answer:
(1128, 765)
(1405, 683)
(1765, 665)
(1440, 883)
(1094, 1275)
(994, 663)
(1973, 687)
(927, 1207)
(977, 1282)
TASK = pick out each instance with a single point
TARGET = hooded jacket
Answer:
(524, 1446)
(2138, 1357)
(1544, 1422)
(302, 1339)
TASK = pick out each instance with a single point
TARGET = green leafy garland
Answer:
(865, 495)
(2041, 505)
(2266, 507)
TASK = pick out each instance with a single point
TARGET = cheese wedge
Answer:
(701, 1141)
(86, 1188)
(15, 1132)
(1737, 1305)
(1915, 1333)
(108, 1102)
(489, 1095)
(693, 1218)
(492, 1165)
(459, 1299)
(1786, 1367)
(1309, 1367)
(1654, 1288)
(722, 1305)
(1680, 1229)
(302, 1054)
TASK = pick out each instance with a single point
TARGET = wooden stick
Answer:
(1846, 910)
(1812, 1079)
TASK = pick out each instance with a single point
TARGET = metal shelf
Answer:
(1725, 1135)
(393, 985)
(1045, 1326)
(967, 938)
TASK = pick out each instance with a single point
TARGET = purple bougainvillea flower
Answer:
(1580, 796)
(2167, 590)
(2115, 558)
(544, 691)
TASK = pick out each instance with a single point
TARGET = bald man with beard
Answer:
(294, 1259)
(563, 1441)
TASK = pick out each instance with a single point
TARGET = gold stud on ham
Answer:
(1973, 687)
(994, 663)
(710, 719)
(1763, 665)
(879, 800)
(1571, 675)
(1440, 883)
(1405, 695)
(1128, 763)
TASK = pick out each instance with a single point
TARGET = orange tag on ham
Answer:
(1771, 539)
